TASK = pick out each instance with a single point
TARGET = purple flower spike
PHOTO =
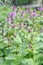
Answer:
(22, 14)
(29, 29)
(20, 27)
(9, 20)
(12, 14)
(34, 10)
(13, 7)
(40, 8)
(34, 14)
(27, 10)
(13, 26)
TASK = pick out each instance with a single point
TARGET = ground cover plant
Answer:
(21, 36)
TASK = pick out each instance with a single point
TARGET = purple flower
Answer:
(41, 30)
(34, 14)
(34, 10)
(9, 20)
(20, 26)
(12, 14)
(29, 29)
(13, 7)
(13, 26)
(40, 8)
(22, 14)
(27, 10)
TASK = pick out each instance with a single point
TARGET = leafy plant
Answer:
(21, 36)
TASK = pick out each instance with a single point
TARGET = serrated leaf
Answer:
(27, 61)
(11, 57)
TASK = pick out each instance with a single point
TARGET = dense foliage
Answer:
(21, 36)
(22, 2)
(19, 2)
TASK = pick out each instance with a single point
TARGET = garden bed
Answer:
(21, 36)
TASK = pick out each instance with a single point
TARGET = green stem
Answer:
(34, 57)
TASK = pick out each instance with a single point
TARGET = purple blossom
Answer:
(12, 14)
(40, 8)
(20, 26)
(27, 10)
(29, 29)
(9, 20)
(41, 30)
(34, 14)
(13, 26)
(13, 7)
(22, 14)
(34, 10)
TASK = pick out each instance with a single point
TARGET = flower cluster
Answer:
(21, 36)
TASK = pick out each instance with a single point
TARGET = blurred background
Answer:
(21, 2)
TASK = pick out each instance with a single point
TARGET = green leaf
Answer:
(27, 61)
(2, 62)
(1, 53)
(17, 39)
(11, 57)
(38, 45)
